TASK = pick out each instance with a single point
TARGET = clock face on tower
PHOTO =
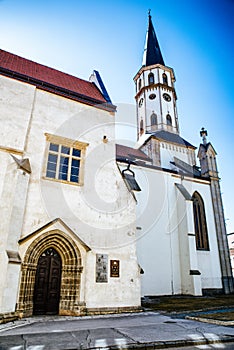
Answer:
(152, 96)
(167, 97)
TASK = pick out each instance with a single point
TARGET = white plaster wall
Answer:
(11, 286)
(157, 234)
(8, 179)
(169, 151)
(208, 261)
(159, 226)
(190, 284)
(101, 212)
(16, 104)
(124, 290)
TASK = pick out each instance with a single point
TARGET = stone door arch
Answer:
(70, 303)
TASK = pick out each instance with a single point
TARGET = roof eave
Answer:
(58, 90)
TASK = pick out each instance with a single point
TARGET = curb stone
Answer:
(210, 320)
(164, 344)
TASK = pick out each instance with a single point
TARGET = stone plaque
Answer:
(101, 268)
(114, 268)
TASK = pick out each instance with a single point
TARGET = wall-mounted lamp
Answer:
(105, 139)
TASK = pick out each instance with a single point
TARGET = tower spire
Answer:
(152, 53)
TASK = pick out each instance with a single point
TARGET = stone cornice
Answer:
(148, 68)
(158, 85)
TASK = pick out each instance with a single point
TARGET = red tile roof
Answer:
(124, 152)
(42, 76)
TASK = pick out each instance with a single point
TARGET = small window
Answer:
(153, 119)
(139, 84)
(141, 127)
(169, 120)
(165, 81)
(201, 233)
(151, 79)
(65, 159)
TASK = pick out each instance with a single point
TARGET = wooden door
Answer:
(47, 284)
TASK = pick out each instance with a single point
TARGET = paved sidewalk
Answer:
(148, 330)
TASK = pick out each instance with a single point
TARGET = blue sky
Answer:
(196, 39)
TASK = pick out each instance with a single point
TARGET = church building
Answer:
(181, 234)
(88, 226)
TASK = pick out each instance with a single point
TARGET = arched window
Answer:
(169, 120)
(139, 84)
(165, 81)
(151, 79)
(202, 242)
(153, 119)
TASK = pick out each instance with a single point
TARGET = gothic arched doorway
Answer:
(70, 262)
(47, 283)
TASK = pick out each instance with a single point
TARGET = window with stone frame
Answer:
(65, 159)
(202, 242)
(151, 78)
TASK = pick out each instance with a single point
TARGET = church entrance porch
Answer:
(47, 284)
(51, 277)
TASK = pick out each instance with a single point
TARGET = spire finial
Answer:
(203, 134)
(152, 53)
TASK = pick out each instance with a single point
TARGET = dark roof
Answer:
(50, 79)
(171, 137)
(128, 153)
(102, 86)
(152, 54)
(131, 182)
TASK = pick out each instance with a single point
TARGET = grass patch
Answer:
(188, 303)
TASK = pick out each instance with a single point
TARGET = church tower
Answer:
(155, 92)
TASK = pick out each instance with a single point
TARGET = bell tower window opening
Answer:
(139, 84)
(153, 122)
(200, 225)
(151, 78)
(169, 120)
(165, 80)
(153, 119)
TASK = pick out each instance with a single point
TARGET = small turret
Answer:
(203, 134)
(207, 157)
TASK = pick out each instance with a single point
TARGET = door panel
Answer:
(47, 284)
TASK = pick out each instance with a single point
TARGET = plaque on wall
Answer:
(101, 268)
(114, 268)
